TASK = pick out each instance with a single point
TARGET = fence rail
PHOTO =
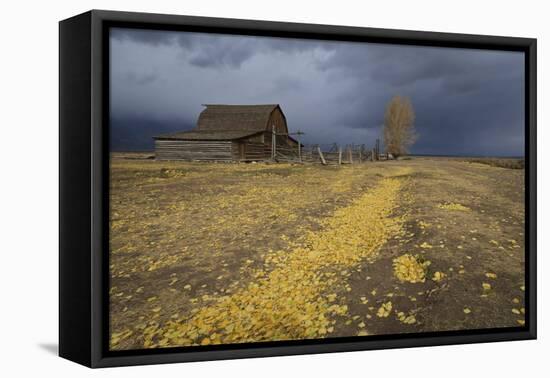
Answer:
(325, 154)
(332, 154)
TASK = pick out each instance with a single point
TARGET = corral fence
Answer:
(326, 154)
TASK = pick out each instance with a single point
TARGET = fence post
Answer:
(350, 154)
(321, 156)
(339, 155)
(273, 142)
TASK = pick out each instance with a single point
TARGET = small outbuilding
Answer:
(228, 133)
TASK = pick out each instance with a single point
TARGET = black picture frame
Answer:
(84, 175)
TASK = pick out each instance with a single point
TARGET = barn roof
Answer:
(208, 135)
(235, 117)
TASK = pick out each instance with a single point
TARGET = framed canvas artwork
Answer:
(234, 188)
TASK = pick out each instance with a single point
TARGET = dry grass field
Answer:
(205, 253)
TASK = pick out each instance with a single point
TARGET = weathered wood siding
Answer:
(278, 120)
(204, 150)
(255, 151)
(250, 151)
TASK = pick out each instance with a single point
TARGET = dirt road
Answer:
(229, 253)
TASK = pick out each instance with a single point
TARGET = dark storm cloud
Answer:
(213, 50)
(466, 101)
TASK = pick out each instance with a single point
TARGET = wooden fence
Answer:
(333, 154)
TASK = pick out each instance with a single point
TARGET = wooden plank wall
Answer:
(193, 150)
(256, 151)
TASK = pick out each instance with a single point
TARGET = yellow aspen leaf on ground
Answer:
(438, 276)
(521, 322)
(384, 310)
(515, 311)
(515, 300)
(423, 224)
(490, 275)
(467, 310)
(151, 299)
(426, 245)
(522, 287)
(361, 325)
(494, 242)
(205, 341)
(362, 333)
(486, 286)
(373, 292)
(187, 287)
(522, 310)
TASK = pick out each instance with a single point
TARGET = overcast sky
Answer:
(467, 102)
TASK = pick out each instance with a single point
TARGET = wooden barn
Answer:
(228, 133)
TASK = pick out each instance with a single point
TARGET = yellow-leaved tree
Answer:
(399, 132)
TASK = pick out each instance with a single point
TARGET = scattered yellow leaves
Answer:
(486, 286)
(406, 319)
(409, 268)
(384, 310)
(453, 206)
(290, 301)
(490, 275)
